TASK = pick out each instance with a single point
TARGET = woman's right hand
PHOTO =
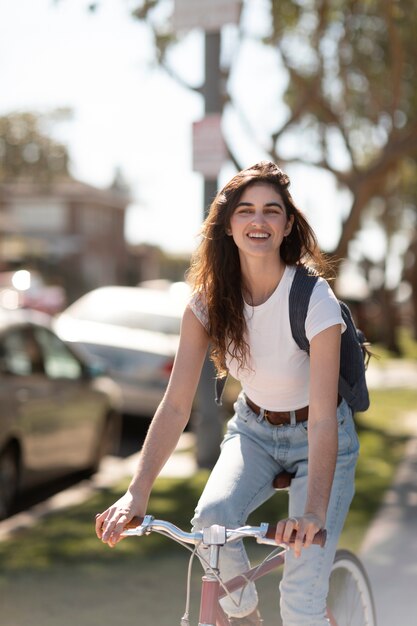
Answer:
(111, 523)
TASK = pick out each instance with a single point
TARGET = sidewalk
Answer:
(392, 373)
(389, 551)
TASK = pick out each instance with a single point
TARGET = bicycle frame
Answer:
(211, 613)
(213, 538)
(349, 585)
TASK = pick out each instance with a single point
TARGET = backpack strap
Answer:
(219, 385)
(352, 365)
(346, 392)
(301, 289)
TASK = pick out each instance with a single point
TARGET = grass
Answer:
(59, 573)
(383, 432)
(407, 345)
(68, 537)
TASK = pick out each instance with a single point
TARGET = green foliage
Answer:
(356, 75)
(28, 152)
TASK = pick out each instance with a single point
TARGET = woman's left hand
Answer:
(306, 527)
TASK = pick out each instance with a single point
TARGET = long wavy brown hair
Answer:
(215, 273)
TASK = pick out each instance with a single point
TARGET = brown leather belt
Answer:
(278, 418)
(281, 418)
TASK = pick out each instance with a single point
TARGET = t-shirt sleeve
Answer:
(323, 311)
(198, 306)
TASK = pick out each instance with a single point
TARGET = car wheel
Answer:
(9, 481)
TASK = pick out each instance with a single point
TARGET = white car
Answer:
(135, 332)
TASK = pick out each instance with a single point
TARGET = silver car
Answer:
(135, 332)
(58, 412)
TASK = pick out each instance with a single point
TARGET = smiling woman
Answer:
(288, 417)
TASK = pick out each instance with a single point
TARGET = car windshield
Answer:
(142, 311)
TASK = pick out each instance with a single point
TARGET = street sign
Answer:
(209, 148)
(210, 15)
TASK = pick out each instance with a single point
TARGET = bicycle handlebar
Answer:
(265, 533)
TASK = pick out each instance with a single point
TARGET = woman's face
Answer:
(259, 222)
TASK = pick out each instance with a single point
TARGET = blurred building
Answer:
(73, 233)
(58, 232)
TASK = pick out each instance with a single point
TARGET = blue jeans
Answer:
(253, 452)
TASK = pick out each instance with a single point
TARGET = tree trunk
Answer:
(389, 320)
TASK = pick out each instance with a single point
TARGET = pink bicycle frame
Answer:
(211, 613)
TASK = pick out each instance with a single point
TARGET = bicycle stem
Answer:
(211, 613)
(214, 538)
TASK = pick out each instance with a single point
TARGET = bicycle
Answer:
(350, 601)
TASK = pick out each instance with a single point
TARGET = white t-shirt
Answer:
(278, 372)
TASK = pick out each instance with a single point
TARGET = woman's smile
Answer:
(258, 235)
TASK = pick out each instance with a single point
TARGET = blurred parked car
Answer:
(58, 412)
(135, 331)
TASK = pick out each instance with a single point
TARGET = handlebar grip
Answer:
(135, 522)
(319, 537)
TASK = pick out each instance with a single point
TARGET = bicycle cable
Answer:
(253, 575)
(185, 620)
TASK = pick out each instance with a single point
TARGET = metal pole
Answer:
(209, 419)
(212, 99)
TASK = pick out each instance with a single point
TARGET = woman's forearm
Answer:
(161, 440)
(321, 465)
(166, 427)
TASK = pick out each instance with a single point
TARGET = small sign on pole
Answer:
(209, 148)
(210, 15)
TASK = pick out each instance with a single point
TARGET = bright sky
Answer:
(130, 115)
(124, 114)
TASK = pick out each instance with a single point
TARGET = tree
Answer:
(349, 102)
(346, 97)
(354, 88)
(28, 152)
(410, 275)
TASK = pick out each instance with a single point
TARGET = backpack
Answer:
(354, 355)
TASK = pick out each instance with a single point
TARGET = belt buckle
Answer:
(266, 416)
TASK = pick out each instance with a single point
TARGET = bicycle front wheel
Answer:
(350, 601)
